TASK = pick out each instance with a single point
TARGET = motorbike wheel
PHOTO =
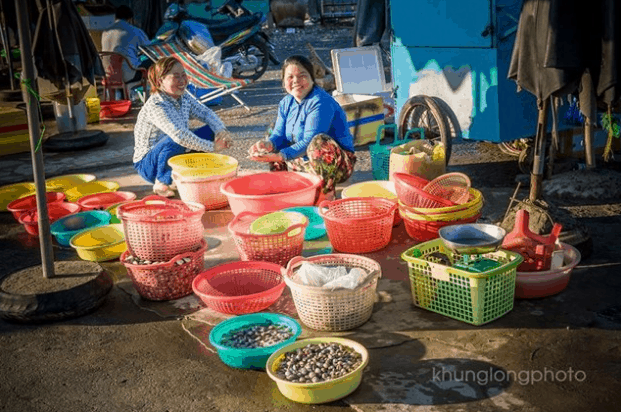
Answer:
(262, 55)
(423, 112)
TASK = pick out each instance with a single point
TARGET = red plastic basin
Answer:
(102, 201)
(30, 218)
(271, 191)
(530, 285)
(115, 108)
(19, 206)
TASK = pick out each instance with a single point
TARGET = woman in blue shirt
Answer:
(311, 133)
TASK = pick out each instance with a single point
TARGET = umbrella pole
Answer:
(536, 177)
(45, 236)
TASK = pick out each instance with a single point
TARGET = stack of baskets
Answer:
(334, 310)
(165, 245)
(424, 212)
(269, 247)
(198, 177)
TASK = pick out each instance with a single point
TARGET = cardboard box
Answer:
(14, 135)
(365, 114)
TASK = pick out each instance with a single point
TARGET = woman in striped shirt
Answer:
(162, 128)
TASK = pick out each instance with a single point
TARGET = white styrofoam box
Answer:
(359, 70)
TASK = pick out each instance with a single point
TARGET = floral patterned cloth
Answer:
(325, 158)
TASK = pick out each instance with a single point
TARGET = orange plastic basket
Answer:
(276, 248)
(452, 186)
(410, 192)
(240, 287)
(168, 280)
(358, 224)
(157, 228)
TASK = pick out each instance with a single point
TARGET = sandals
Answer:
(162, 189)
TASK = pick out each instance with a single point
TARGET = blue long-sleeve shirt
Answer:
(297, 123)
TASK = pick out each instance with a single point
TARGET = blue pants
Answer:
(155, 164)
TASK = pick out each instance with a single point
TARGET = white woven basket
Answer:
(334, 310)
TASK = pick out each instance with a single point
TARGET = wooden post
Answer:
(536, 177)
(45, 236)
(589, 153)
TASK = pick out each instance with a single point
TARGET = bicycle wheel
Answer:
(423, 112)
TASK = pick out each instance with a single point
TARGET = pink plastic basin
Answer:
(271, 191)
(530, 285)
(21, 205)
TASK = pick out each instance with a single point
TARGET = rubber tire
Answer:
(56, 306)
(259, 44)
(67, 142)
(429, 104)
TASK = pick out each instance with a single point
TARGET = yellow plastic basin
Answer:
(101, 243)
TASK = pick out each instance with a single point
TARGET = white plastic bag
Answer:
(212, 59)
(311, 274)
(352, 280)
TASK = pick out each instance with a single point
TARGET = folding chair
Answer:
(201, 77)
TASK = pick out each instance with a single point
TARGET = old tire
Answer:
(80, 140)
(56, 306)
(423, 112)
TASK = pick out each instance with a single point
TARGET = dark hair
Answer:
(123, 13)
(298, 61)
(160, 69)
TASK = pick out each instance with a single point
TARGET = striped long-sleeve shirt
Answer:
(162, 115)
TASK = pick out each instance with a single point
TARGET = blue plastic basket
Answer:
(316, 226)
(251, 358)
(380, 154)
(65, 228)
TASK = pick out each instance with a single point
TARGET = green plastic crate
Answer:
(475, 298)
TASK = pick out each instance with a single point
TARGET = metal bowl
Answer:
(472, 238)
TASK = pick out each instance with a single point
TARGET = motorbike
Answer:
(242, 42)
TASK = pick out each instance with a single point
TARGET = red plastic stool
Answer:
(536, 249)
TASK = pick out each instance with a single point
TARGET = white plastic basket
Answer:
(334, 310)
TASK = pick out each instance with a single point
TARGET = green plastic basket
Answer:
(475, 298)
(380, 154)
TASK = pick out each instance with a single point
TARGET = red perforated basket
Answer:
(168, 280)
(452, 186)
(358, 224)
(410, 192)
(240, 287)
(423, 230)
(276, 248)
(158, 229)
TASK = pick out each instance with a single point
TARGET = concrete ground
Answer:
(560, 353)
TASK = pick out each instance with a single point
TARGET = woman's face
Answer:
(175, 81)
(298, 81)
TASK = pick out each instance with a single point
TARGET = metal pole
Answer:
(536, 177)
(45, 236)
(589, 153)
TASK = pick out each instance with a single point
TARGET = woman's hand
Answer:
(260, 148)
(223, 140)
(269, 157)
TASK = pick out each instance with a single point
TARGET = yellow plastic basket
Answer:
(475, 298)
(320, 392)
(100, 244)
(13, 192)
(89, 188)
(202, 164)
(66, 182)
(441, 217)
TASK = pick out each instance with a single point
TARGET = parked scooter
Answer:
(244, 45)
